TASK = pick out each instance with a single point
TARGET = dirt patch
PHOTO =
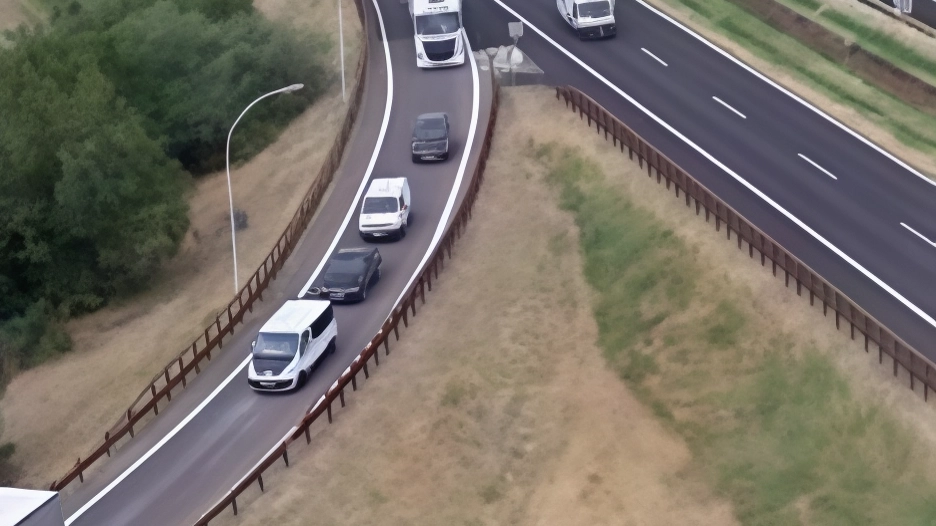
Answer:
(56, 412)
(16, 12)
(490, 415)
(496, 407)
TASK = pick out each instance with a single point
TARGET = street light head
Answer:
(294, 87)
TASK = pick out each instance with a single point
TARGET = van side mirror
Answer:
(253, 344)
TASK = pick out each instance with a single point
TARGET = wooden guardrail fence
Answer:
(918, 366)
(190, 359)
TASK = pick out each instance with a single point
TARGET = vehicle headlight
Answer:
(353, 289)
(420, 56)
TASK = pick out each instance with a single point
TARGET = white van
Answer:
(589, 18)
(290, 343)
(437, 25)
(385, 211)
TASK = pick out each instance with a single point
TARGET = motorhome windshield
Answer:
(274, 346)
(594, 9)
(437, 24)
(380, 205)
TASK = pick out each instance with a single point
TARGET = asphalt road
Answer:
(850, 194)
(922, 10)
(177, 473)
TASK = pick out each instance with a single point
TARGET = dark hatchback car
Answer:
(431, 137)
(350, 273)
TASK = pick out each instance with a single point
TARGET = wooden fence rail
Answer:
(403, 311)
(191, 358)
(915, 363)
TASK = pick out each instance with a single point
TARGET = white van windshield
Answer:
(594, 9)
(437, 24)
(273, 346)
(380, 205)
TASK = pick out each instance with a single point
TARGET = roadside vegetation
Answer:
(908, 132)
(917, 57)
(108, 109)
(594, 354)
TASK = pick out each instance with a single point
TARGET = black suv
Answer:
(431, 137)
(350, 272)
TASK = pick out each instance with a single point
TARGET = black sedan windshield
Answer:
(594, 9)
(437, 24)
(273, 346)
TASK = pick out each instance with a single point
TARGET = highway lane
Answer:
(195, 464)
(772, 141)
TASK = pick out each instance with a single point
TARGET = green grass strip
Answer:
(771, 423)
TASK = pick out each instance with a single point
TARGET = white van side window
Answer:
(304, 342)
(319, 325)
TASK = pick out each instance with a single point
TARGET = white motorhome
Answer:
(386, 209)
(437, 25)
(290, 343)
(589, 18)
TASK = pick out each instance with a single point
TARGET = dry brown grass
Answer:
(16, 12)
(497, 407)
(56, 412)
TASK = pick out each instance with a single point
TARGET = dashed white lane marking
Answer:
(654, 56)
(821, 169)
(921, 236)
(725, 104)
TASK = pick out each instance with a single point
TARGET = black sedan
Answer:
(431, 137)
(349, 274)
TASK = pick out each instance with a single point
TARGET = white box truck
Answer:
(437, 25)
(589, 18)
(25, 507)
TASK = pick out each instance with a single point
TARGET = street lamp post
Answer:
(227, 162)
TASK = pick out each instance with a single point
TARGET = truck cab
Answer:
(590, 19)
(437, 25)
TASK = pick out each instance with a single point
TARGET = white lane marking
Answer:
(790, 94)
(921, 236)
(654, 56)
(158, 445)
(725, 104)
(890, 290)
(472, 129)
(823, 170)
(206, 401)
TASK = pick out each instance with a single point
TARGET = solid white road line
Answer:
(236, 372)
(823, 170)
(654, 56)
(921, 236)
(789, 93)
(725, 104)
(472, 129)
(890, 290)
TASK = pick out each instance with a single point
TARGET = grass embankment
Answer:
(902, 129)
(497, 406)
(771, 422)
(900, 45)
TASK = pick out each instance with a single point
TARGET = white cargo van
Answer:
(589, 18)
(437, 25)
(290, 343)
(385, 211)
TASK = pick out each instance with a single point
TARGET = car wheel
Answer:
(402, 233)
(332, 345)
(303, 377)
(444, 156)
(416, 158)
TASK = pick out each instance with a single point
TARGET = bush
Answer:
(102, 111)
